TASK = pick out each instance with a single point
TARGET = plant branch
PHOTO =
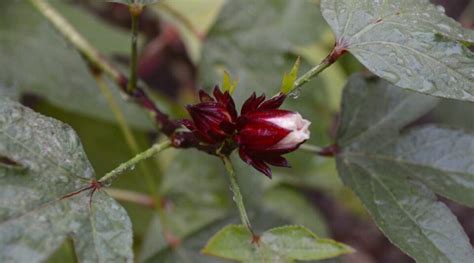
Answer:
(112, 175)
(98, 63)
(135, 11)
(132, 197)
(310, 148)
(236, 191)
(338, 50)
(126, 131)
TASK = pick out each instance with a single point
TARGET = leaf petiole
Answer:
(112, 175)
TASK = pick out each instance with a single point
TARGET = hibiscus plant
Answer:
(222, 169)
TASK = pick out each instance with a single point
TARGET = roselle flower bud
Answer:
(213, 119)
(265, 132)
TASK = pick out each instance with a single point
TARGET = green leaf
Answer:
(34, 221)
(229, 84)
(38, 61)
(282, 244)
(193, 19)
(251, 39)
(395, 173)
(289, 78)
(411, 43)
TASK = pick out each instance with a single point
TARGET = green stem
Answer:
(339, 49)
(76, 39)
(312, 73)
(135, 11)
(310, 148)
(112, 175)
(127, 132)
(236, 191)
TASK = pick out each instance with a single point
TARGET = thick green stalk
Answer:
(112, 175)
(236, 191)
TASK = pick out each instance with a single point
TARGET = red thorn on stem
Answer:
(172, 240)
(340, 48)
(93, 187)
(330, 151)
(256, 239)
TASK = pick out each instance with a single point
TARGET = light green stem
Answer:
(127, 132)
(112, 175)
(236, 191)
(312, 73)
(310, 148)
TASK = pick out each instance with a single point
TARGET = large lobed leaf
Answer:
(411, 43)
(395, 173)
(34, 221)
(281, 244)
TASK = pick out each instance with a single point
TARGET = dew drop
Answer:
(445, 27)
(427, 85)
(294, 94)
(390, 76)
(440, 9)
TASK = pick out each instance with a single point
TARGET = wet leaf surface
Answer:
(34, 221)
(395, 172)
(412, 44)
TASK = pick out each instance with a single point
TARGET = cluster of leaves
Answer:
(395, 169)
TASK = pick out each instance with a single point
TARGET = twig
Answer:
(339, 49)
(135, 11)
(100, 64)
(112, 175)
(127, 132)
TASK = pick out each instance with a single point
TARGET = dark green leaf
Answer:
(34, 221)
(282, 244)
(36, 60)
(392, 171)
(411, 43)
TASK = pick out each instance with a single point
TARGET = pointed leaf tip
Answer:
(229, 84)
(287, 84)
